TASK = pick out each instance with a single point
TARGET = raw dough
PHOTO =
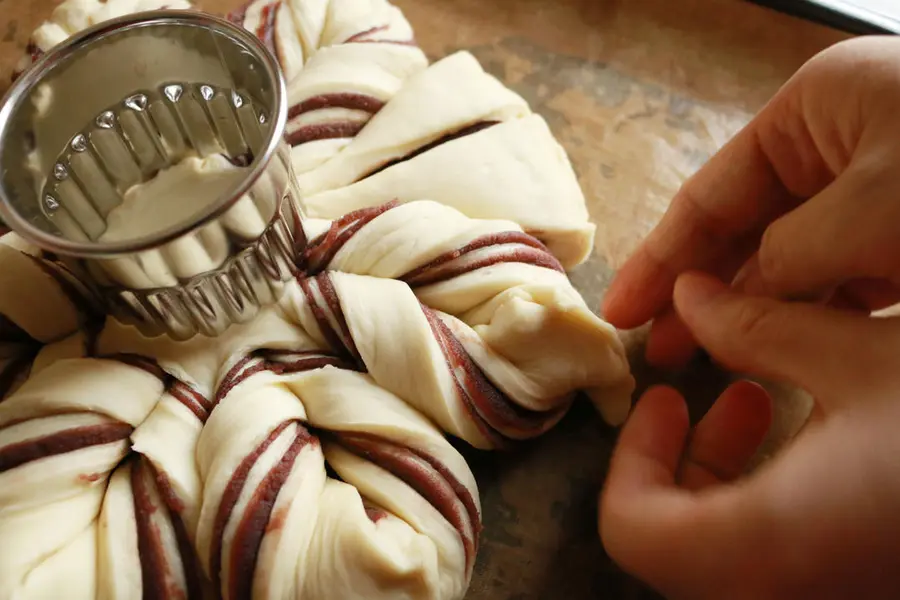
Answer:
(173, 196)
(303, 454)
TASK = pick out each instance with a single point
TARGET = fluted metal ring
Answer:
(115, 106)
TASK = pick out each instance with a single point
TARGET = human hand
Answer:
(803, 204)
(820, 519)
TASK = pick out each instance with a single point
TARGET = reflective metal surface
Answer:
(111, 108)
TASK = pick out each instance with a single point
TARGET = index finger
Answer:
(734, 194)
(723, 208)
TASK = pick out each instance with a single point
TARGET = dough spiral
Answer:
(304, 454)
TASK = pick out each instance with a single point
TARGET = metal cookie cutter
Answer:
(147, 154)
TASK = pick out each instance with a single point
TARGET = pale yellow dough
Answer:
(304, 455)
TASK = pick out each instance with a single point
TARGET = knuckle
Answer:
(755, 321)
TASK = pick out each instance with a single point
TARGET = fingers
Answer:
(676, 539)
(866, 295)
(835, 355)
(766, 170)
(731, 197)
(793, 149)
(641, 479)
(727, 437)
(848, 231)
(651, 442)
(670, 345)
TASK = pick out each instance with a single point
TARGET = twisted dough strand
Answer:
(303, 455)
(42, 302)
(343, 60)
(514, 336)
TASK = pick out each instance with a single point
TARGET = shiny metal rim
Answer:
(79, 43)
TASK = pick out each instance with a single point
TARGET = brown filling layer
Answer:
(437, 485)
(139, 362)
(275, 361)
(297, 362)
(244, 159)
(341, 341)
(175, 505)
(487, 405)
(443, 268)
(190, 398)
(229, 499)
(68, 440)
(324, 131)
(347, 100)
(185, 394)
(375, 514)
(300, 239)
(365, 37)
(239, 15)
(34, 53)
(249, 533)
(365, 34)
(156, 570)
(328, 332)
(469, 130)
(239, 373)
(266, 31)
(323, 249)
(329, 293)
(154, 566)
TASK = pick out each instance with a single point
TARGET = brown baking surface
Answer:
(640, 92)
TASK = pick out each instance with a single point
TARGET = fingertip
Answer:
(664, 398)
(639, 290)
(644, 463)
(755, 410)
(696, 289)
(652, 439)
(750, 393)
(670, 344)
(748, 279)
(696, 297)
(746, 409)
(728, 436)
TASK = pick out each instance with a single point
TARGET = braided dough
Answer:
(304, 454)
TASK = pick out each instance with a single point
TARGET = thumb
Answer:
(831, 353)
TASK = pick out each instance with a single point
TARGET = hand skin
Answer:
(772, 258)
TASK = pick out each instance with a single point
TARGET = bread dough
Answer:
(40, 300)
(458, 94)
(304, 454)
(515, 170)
(343, 61)
(172, 197)
(338, 92)
(72, 16)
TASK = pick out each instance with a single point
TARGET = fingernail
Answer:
(670, 345)
(697, 289)
(748, 279)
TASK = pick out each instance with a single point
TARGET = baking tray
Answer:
(854, 16)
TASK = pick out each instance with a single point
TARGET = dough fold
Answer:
(514, 170)
(305, 454)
